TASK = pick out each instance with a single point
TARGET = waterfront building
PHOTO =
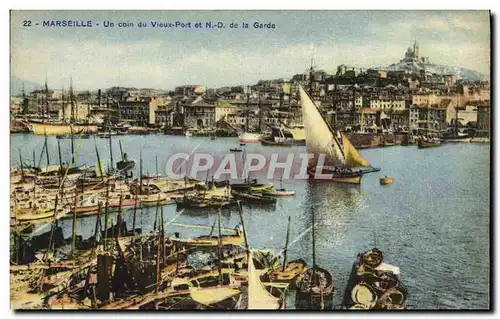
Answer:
(139, 112)
(484, 115)
(468, 115)
(199, 113)
(163, 116)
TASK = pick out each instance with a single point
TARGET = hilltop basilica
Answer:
(412, 55)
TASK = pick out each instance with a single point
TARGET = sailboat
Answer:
(248, 137)
(43, 127)
(339, 155)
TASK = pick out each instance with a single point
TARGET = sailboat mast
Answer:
(248, 106)
(121, 150)
(63, 106)
(111, 149)
(34, 159)
(311, 79)
(456, 118)
(140, 172)
(72, 146)
(47, 149)
(219, 246)
(260, 109)
(73, 228)
(71, 100)
(22, 166)
(46, 110)
(285, 254)
(313, 243)
(98, 160)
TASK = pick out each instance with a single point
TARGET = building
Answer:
(484, 116)
(139, 112)
(468, 114)
(199, 113)
(163, 116)
(387, 104)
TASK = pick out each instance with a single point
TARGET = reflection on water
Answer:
(433, 222)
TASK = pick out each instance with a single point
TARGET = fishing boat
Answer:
(257, 188)
(374, 284)
(194, 202)
(276, 141)
(153, 199)
(236, 238)
(279, 192)
(428, 142)
(61, 128)
(335, 150)
(127, 201)
(253, 198)
(386, 180)
(35, 215)
(314, 289)
(249, 137)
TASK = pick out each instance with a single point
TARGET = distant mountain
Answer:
(416, 67)
(16, 86)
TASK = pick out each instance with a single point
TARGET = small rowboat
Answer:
(279, 192)
(386, 180)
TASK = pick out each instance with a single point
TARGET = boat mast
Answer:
(135, 212)
(219, 246)
(98, 160)
(313, 245)
(456, 118)
(46, 110)
(47, 149)
(73, 228)
(248, 106)
(260, 109)
(156, 163)
(311, 80)
(63, 105)
(121, 150)
(140, 172)
(72, 146)
(22, 166)
(72, 120)
(61, 170)
(285, 255)
(111, 149)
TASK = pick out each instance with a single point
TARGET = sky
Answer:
(163, 58)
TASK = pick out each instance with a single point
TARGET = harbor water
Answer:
(433, 222)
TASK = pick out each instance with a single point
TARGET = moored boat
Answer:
(374, 284)
(253, 198)
(329, 146)
(249, 137)
(60, 128)
(386, 180)
(426, 143)
(279, 192)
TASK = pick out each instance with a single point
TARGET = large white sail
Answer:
(321, 139)
(258, 296)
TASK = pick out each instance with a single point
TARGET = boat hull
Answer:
(426, 144)
(62, 128)
(346, 178)
(386, 180)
